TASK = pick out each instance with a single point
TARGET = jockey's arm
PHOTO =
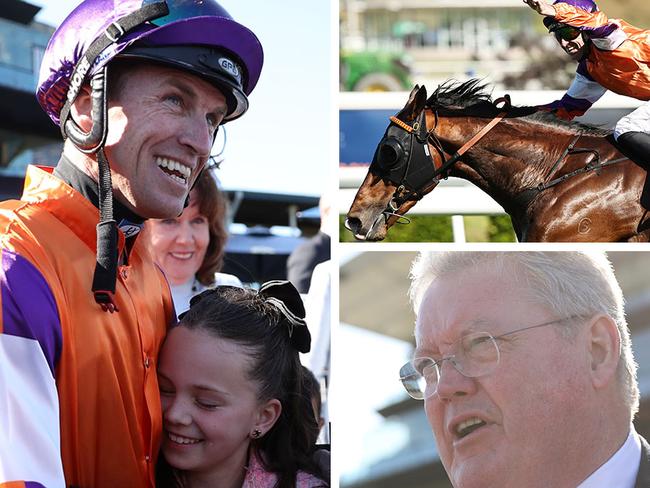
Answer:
(542, 7)
(576, 17)
(579, 98)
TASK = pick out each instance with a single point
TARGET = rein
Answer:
(585, 169)
(529, 194)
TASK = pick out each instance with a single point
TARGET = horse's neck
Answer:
(498, 176)
(501, 176)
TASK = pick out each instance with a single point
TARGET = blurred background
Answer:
(384, 439)
(387, 46)
(273, 184)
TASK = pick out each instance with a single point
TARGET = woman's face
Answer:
(178, 245)
(210, 406)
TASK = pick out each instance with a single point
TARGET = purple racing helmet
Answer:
(587, 5)
(198, 36)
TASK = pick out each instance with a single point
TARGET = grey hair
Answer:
(575, 283)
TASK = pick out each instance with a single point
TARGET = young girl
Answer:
(230, 384)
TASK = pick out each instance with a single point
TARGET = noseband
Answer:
(405, 159)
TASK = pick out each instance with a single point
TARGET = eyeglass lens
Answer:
(475, 355)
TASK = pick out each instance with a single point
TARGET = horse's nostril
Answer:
(352, 224)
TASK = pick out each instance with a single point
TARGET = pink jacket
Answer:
(258, 477)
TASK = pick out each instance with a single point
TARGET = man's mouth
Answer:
(571, 48)
(174, 169)
(182, 440)
(465, 428)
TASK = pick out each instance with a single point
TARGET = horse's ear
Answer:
(416, 103)
(413, 93)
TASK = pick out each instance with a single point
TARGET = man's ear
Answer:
(267, 414)
(604, 349)
(81, 110)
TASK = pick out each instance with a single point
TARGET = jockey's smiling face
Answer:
(571, 40)
(162, 123)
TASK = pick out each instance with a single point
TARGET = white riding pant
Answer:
(636, 121)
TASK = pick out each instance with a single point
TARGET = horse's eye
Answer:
(390, 153)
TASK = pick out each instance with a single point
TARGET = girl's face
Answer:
(210, 406)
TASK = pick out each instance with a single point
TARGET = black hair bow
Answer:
(283, 296)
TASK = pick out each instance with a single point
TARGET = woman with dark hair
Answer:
(190, 248)
(234, 413)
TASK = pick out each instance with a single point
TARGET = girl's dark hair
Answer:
(311, 390)
(243, 316)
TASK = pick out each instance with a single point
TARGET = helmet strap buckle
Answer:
(114, 31)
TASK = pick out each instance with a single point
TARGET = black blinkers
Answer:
(402, 157)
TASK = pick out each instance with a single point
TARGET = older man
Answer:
(525, 366)
(139, 89)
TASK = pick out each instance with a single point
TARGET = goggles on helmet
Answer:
(184, 9)
(560, 30)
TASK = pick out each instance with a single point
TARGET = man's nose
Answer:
(198, 136)
(451, 382)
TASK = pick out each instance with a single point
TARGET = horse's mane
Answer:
(473, 97)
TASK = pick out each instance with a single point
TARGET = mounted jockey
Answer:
(611, 55)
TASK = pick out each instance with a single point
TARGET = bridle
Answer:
(405, 159)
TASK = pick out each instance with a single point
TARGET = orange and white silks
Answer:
(619, 55)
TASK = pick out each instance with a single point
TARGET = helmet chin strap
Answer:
(105, 277)
(92, 142)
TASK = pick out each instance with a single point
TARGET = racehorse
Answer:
(558, 180)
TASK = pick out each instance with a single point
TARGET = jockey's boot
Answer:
(636, 146)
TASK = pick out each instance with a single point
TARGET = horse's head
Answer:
(401, 172)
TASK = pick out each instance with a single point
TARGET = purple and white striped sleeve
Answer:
(30, 346)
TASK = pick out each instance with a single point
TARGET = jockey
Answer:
(139, 89)
(611, 55)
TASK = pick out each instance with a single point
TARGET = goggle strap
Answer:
(112, 34)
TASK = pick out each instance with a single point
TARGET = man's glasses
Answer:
(566, 33)
(473, 355)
